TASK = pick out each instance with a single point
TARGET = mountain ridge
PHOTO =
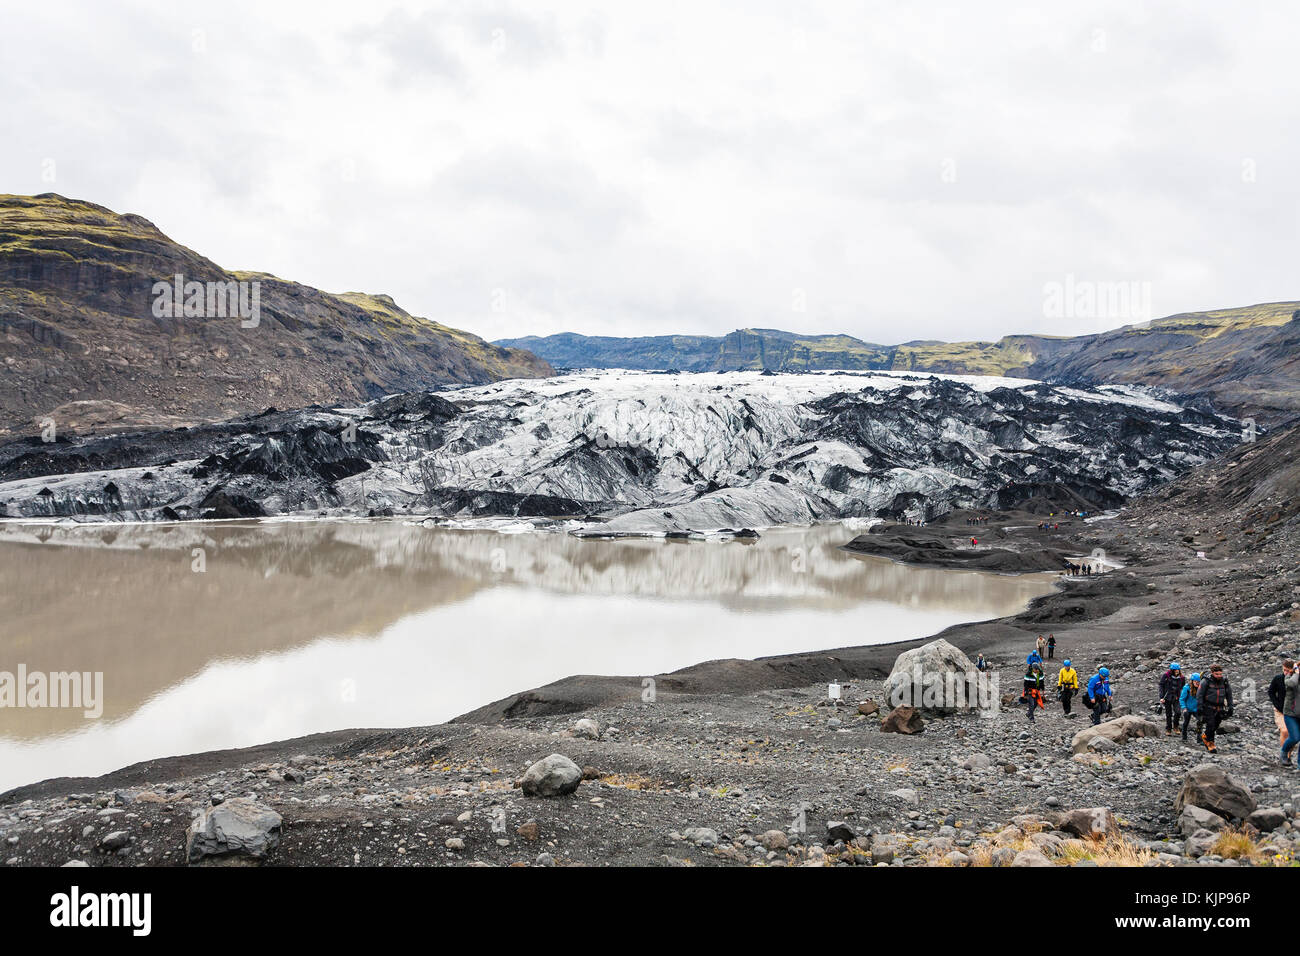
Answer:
(1246, 360)
(84, 346)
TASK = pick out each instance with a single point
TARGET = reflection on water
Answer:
(299, 627)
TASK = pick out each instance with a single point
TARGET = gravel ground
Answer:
(749, 762)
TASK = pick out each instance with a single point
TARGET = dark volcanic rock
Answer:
(219, 504)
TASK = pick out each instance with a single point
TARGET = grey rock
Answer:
(552, 776)
(701, 836)
(1090, 822)
(1118, 731)
(1199, 843)
(1267, 819)
(238, 826)
(1195, 818)
(1031, 858)
(933, 665)
(836, 830)
(1211, 787)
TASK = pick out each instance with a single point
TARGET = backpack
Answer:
(1216, 693)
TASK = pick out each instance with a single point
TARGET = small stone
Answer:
(527, 831)
(701, 836)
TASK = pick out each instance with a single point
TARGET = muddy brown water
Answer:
(229, 634)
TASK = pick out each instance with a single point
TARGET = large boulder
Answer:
(240, 826)
(1091, 822)
(939, 677)
(1267, 819)
(903, 720)
(1210, 787)
(552, 776)
(1118, 731)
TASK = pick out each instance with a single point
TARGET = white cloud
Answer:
(902, 171)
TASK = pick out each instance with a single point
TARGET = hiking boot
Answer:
(1209, 745)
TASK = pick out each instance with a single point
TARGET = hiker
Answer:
(1187, 698)
(1098, 694)
(1277, 697)
(1291, 709)
(1051, 646)
(1067, 685)
(1171, 692)
(981, 664)
(1030, 662)
(1033, 692)
(1214, 702)
(1040, 645)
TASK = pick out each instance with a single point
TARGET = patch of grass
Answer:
(630, 781)
(1234, 843)
(1112, 850)
(805, 711)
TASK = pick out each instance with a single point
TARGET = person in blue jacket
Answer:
(1187, 700)
(1099, 694)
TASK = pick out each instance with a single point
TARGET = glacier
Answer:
(614, 452)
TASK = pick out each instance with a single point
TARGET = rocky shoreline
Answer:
(750, 763)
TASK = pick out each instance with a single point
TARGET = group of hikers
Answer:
(1208, 700)
(977, 519)
(1076, 570)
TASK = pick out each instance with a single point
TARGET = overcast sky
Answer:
(890, 170)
